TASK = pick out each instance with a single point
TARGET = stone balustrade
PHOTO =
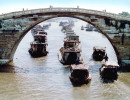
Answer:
(79, 10)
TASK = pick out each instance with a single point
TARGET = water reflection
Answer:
(7, 69)
(103, 80)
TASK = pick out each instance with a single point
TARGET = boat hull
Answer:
(69, 58)
(108, 73)
(80, 81)
(37, 54)
(99, 56)
(80, 74)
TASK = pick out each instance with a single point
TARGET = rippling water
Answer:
(46, 78)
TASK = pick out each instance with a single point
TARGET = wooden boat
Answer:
(99, 53)
(82, 28)
(66, 28)
(69, 32)
(79, 74)
(41, 38)
(36, 28)
(89, 29)
(38, 49)
(109, 70)
(96, 30)
(69, 56)
(70, 52)
(63, 23)
(38, 46)
(46, 26)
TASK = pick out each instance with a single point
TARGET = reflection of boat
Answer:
(109, 70)
(79, 74)
(99, 53)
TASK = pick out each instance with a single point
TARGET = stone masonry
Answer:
(15, 25)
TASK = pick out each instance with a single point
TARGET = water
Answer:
(46, 78)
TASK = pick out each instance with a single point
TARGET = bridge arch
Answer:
(14, 26)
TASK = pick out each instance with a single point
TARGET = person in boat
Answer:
(78, 61)
(106, 58)
(39, 40)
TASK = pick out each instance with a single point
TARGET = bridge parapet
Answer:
(78, 10)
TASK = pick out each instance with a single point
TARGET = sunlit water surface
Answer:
(46, 78)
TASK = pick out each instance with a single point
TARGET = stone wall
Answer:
(13, 30)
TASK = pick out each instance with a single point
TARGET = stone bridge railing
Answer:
(79, 10)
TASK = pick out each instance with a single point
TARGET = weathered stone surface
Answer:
(14, 26)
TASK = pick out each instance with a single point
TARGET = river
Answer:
(45, 78)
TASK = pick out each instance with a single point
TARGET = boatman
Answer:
(77, 61)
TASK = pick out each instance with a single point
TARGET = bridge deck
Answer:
(79, 10)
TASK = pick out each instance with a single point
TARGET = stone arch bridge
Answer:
(15, 25)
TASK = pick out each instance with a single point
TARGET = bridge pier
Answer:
(125, 64)
(4, 61)
(121, 41)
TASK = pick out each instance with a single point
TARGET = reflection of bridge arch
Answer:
(14, 26)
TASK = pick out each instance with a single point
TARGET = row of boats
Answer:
(109, 69)
(70, 54)
(39, 45)
(71, 48)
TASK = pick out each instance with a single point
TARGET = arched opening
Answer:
(88, 40)
(42, 20)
